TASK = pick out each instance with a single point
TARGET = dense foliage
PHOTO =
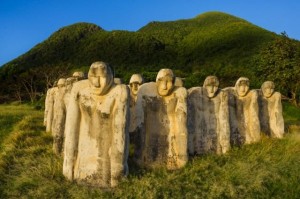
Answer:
(280, 62)
(211, 43)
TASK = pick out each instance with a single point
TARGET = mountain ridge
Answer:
(214, 42)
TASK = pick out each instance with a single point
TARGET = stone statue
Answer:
(135, 83)
(59, 117)
(61, 102)
(96, 142)
(178, 82)
(78, 75)
(208, 118)
(69, 84)
(118, 80)
(243, 111)
(49, 102)
(161, 122)
(270, 111)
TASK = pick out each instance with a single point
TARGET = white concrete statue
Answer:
(49, 103)
(135, 83)
(208, 118)
(59, 117)
(178, 81)
(61, 102)
(69, 85)
(118, 80)
(270, 111)
(96, 142)
(244, 113)
(161, 122)
(78, 75)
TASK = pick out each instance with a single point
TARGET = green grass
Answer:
(268, 169)
(9, 116)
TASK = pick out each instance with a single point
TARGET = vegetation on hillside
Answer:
(280, 62)
(268, 169)
(211, 43)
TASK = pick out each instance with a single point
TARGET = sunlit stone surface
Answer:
(270, 111)
(49, 107)
(178, 82)
(96, 143)
(161, 121)
(135, 83)
(208, 118)
(59, 116)
(243, 111)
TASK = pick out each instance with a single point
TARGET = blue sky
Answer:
(25, 23)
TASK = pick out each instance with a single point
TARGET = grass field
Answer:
(268, 169)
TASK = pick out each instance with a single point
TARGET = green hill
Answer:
(211, 43)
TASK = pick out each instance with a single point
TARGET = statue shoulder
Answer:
(194, 90)
(278, 94)
(149, 89)
(121, 89)
(253, 93)
(222, 92)
(80, 86)
(180, 92)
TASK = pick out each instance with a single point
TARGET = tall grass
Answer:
(268, 169)
(9, 116)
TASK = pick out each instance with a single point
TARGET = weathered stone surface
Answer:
(96, 143)
(178, 82)
(69, 84)
(135, 83)
(78, 75)
(61, 102)
(208, 118)
(243, 111)
(59, 116)
(270, 111)
(49, 103)
(118, 80)
(161, 120)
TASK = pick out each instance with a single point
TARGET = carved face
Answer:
(100, 78)
(268, 89)
(165, 82)
(135, 82)
(211, 85)
(134, 87)
(211, 90)
(164, 86)
(242, 86)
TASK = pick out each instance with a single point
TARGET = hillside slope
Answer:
(211, 42)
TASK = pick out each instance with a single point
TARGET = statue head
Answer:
(100, 77)
(55, 83)
(135, 82)
(211, 86)
(165, 80)
(267, 88)
(69, 82)
(242, 86)
(78, 75)
(118, 80)
(178, 82)
(61, 82)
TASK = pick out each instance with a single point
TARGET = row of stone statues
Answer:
(92, 121)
